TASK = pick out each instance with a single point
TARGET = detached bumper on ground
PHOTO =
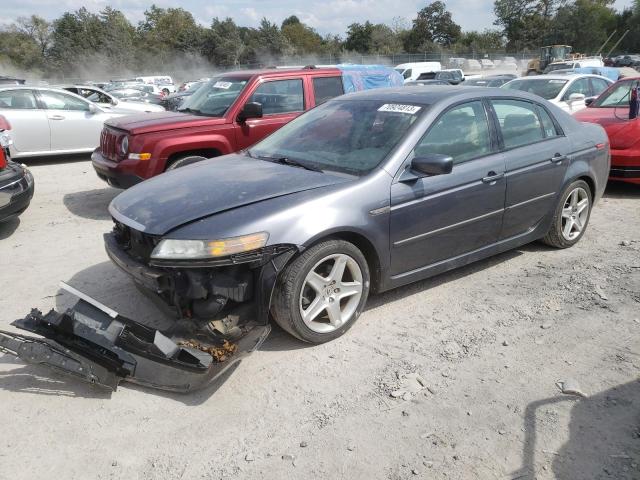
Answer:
(95, 344)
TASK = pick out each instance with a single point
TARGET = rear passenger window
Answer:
(547, 124)
(462, 133)
(18, 99)
(326, 88)
(280, 96)
(519, 122)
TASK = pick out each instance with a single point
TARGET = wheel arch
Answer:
(363, 244)
(201, 152)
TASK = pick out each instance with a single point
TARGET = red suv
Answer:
(231, 112)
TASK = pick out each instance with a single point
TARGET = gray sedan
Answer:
(365, 193)
(48, 121)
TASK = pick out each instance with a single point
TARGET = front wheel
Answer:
(571, 216)
(322, 292)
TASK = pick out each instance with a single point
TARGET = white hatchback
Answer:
(568, 92)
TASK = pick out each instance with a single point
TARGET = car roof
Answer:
(279, 72)
(570, 76)
(431, 94)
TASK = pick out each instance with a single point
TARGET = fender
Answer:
(165, 148)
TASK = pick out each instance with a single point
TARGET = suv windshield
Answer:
(215, 97)
(545, 88)
(352, 136)
(616, 96)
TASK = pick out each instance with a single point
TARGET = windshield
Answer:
(352, 137)
(545, 88)
(215, 97)
(558, 66)
(616, 96)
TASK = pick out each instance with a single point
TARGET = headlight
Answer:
(194, 249)
(124, 146)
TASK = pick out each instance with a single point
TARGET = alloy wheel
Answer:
(575, 213)
(331, 293)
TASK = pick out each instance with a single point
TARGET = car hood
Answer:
(161, 121)
(196, 191)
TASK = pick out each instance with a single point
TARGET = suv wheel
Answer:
(186, 160)
(322, 292)
(571, 216)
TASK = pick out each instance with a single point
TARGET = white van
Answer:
(411, 71)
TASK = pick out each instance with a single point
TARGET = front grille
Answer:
(137, 244)
(110, 143)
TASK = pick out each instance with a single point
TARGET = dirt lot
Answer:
(489, 343)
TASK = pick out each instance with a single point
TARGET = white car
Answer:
(51, 121)
(107, 100)
(568, 92)
(412, 71)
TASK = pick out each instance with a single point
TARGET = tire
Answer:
(165, 91)
(294, 294)
(567, 212)
(183, 161)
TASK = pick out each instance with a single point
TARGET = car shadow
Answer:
(621, 190)
(54, 159)
(91, 204)
(603, 442)
(7, 228)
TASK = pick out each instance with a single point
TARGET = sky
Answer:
(328, 16)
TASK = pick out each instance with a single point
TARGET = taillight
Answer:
(3, 159)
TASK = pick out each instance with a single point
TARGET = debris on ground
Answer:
(219, 354)
(410, 383)
(570, 387)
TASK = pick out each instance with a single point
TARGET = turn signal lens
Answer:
(229, 246)
(139, 156)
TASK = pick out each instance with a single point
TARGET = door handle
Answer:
(56, 117)
(557, 158)
(492, 177)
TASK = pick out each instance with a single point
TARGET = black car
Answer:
(452, 77)
(16, 182)
(367, 192)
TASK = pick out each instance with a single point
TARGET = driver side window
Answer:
(579, 86)
(462, 133)
(280, 96)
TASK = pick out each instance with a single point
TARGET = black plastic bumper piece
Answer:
(95, 344)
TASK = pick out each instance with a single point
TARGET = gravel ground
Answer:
(453, 377)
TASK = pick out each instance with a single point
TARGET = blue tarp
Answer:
(367, 77)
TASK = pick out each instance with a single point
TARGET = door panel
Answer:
(440, 217)
(282, 100)
(30, 127)
(72, 125)
(536, 162)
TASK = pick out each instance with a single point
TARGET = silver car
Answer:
(49, 121)
(108, 101)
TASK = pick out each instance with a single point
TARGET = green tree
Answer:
(223, 45)
(359, 37)
(485, 41)
(572, 21)
(301, 38)
(433, 25)
(526, 23)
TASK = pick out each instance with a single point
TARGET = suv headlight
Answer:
(124, 146)
(170, 249)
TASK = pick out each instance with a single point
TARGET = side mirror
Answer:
(114, 101)
(576, 97)
(250, 110)
(433, 164)
(93, 109)
(589, 101)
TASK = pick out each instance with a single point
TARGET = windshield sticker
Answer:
(224, 85)
(557, 81)
(398, 108)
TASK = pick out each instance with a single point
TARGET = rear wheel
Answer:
(321, 293)
(571, 216)
(186, 160)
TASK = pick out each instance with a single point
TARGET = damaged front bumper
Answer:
(95, 344)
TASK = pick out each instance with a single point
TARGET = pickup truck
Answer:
(229, 113)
